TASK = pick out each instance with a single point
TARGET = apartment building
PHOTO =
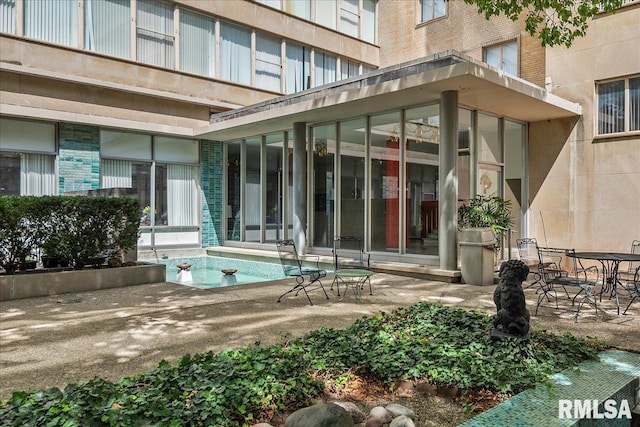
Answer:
(238, 122)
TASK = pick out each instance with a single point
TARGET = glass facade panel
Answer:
(252, 191)
(324, 149)
(352, 183)
(141, 185)
(275, 185)
(422, 136)
(514, 169)
(107, 27)
(385, 176)
(325, 68)
(464, 155)
(9, 174)
(234, 190)
(489, 146)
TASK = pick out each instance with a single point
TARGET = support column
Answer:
(448, 181)
(300, 187)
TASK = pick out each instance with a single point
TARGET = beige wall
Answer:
(588, 190)
(403, 38)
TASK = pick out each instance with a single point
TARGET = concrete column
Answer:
(448, 181)
(300, 187)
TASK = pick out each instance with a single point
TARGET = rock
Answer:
(396, 410)
(374, 422)
(402, 421)
(262, 425)
(320, 415)
(380, 413)
(356, 414)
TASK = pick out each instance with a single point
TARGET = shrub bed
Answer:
(76, 228)
(431, 342)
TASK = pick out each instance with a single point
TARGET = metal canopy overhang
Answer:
(419, 82)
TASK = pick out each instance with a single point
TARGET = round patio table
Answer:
(610, 264)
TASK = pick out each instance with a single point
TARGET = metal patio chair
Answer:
(574, 276)
(307, 278)
(628, 273)
(528, 253)
(633, 287)
(351, 264)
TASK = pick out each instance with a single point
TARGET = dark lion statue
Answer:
(512, 317)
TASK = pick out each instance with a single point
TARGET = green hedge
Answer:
(73, 227)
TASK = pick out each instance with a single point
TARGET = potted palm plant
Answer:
(482, 222)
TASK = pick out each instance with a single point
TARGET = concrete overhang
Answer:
(417, 82)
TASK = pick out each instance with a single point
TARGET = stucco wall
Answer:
(586, 189)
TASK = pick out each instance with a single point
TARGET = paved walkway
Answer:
(53, 341)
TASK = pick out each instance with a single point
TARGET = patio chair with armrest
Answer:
(307, 278)
(633, 287)
(575, 277)
(351, 263)
(628, 273)
(528, 253)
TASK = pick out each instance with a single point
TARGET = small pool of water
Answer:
(206, 270)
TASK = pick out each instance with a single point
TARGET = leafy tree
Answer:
(554, 22)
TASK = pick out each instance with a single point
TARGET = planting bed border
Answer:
(45, 283)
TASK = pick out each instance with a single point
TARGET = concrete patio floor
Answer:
(56, 340)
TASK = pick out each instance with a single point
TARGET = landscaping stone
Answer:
(380, 413)
(374, 422)
(396, 410)
(262, 425)
(320, 415)
(402, 421)
(356, 413)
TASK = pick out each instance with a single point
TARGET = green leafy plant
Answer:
(486, 211)
(431, 342)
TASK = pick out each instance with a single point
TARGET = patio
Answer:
(53, 341)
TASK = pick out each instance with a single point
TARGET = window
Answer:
(271, 3)
(268, 63)
(235, 53)
(8, 16)
(368, 22)
(155, 33)
(619, 106)
(325, 68)
(52, 21)
(432, 9)
(197, 43)
(349, 17)
(106, 27)
(503, 56)
(326, 13)
(300, 8)
(348, 69)
(27, 174)
(298, 68)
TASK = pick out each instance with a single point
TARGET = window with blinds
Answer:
(197, 43)
(619, 106)
(8, 16)
(52, 21)
(433, 9)
(268, 62)
(154, 33)
(107, 27)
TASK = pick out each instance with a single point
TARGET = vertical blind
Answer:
(326, 13)
(634, 103)
(268, 60)
(325, 68)
(197, 43)
(235, 53)
(182, 195)
(368, 23)
(611, 107)
(298, 68)
(116, 174)
(106, 27)
(155, 33)
(8, 16)
(37, 175)
(53, 21)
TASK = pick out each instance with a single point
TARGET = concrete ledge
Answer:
(29, 285)
(616, 376)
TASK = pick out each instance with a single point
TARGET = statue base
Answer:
(496, 335)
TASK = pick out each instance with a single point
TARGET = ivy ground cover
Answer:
(238, 387)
